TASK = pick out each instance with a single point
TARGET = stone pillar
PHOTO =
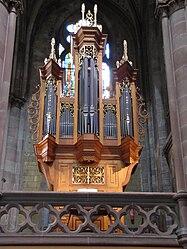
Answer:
(173, 15)
(8, 12)
(155, 171)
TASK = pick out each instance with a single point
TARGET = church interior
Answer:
(93, 144)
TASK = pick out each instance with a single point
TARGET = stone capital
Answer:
(167, 7)
(13, 5)
(16, 101)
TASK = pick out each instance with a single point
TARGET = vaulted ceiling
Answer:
(44, 19)
(124, 12)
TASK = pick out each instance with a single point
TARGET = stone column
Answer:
(173, 15)
(8, 12)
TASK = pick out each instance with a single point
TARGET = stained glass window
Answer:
(107, 51)
(60, 49)
(70, 27)
(106, 73)
(68, 38)
(106, 80)
(69, 88)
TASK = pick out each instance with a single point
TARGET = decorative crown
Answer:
(88, 20)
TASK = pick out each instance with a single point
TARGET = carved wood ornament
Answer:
(85, 141)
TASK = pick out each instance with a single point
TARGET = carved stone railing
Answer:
(88, 218)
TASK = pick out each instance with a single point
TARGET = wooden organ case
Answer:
(84, 142)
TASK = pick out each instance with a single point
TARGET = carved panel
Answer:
(63, 174)
(88, 148)
(88, 51)
(88, 175)
(113, 176)
(67, 105)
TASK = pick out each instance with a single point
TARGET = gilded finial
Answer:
(45, 61)
(52, 54)
(125, 56)
(83, 11)
(117, 64)
(59, 62)
(95, 15)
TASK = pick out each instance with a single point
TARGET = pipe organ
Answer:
(82, 141)
(88, 97)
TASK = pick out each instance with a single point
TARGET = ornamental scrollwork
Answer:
(88, 175)
(142, 115)
(111, 107)
(67, 105)
(51, 80)
(96, 175)
(89, 52)
(80, 175)
(123, 84)
(34, 114)
(90, 18)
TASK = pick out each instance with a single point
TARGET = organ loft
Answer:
(83, 140)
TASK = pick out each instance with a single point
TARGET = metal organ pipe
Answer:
(85, 87)
(85, 82)
(66, 123)
(50, 110)
(126, 112)
(79, 104)
(110, 124)
(113, 124)
(82, 99)
(92, 72)
(88, 97)
(96, 89)
(122, 111)
(45, 114)
(53, 111)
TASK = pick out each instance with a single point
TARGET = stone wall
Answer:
(144, 43)
(8, 11)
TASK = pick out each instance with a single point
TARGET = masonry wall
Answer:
(153, 173)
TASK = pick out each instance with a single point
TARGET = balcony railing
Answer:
(79, 218)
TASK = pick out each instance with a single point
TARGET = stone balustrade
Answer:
(88, 218)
